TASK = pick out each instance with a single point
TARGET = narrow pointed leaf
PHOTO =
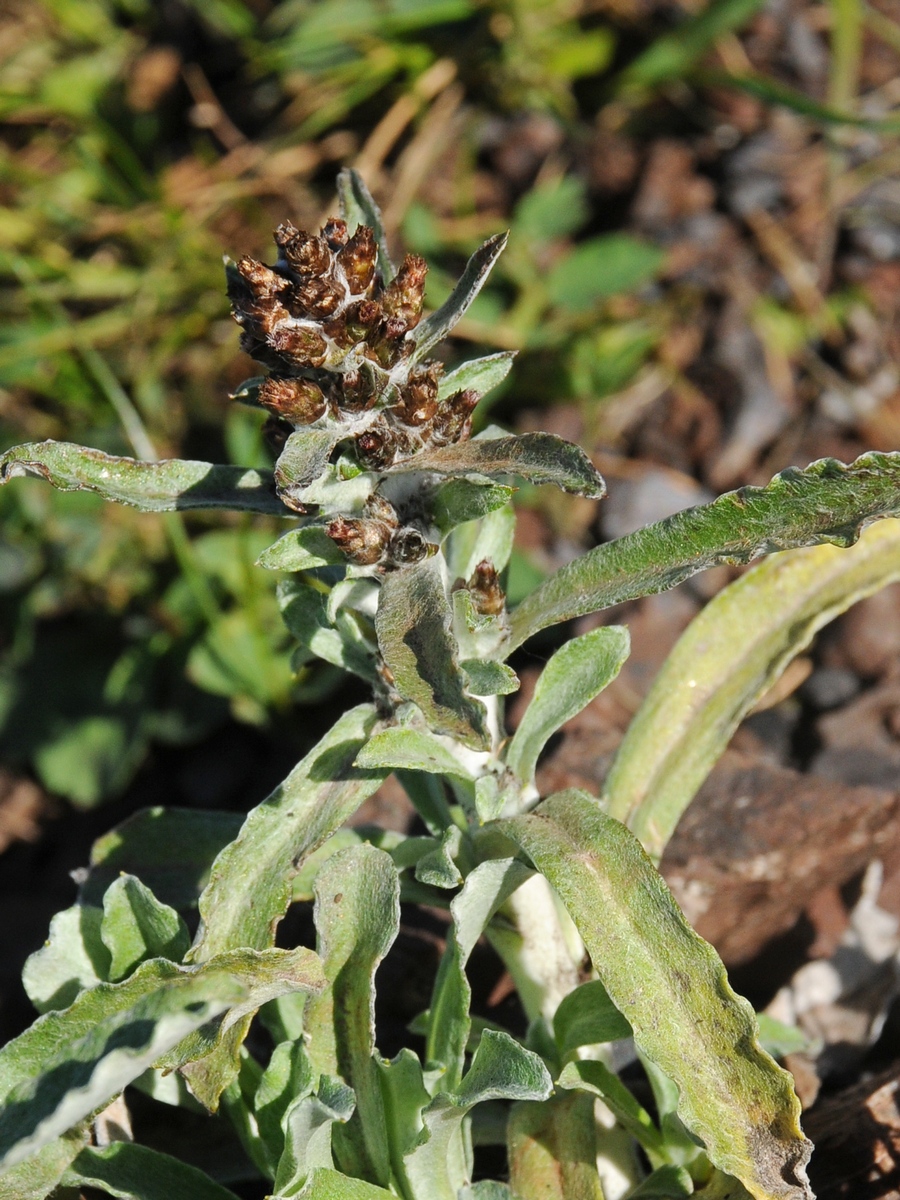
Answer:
(728, 657)
(303, 459)
(827, 501)
(576, 673)
(414, 750)
(479, 374)
(357, 917)
(435, 328)
(301, 550)
(537, 457)
(133, 1172)
(71, 1063)
(672, 988)
(359, 208)
(150, 486)
(413, 626)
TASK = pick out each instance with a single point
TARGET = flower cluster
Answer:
(337, 339)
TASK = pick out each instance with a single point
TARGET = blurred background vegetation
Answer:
(701, 283)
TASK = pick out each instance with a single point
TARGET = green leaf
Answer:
(576, 673)
(602, 267)
(503, 1070)
(412, 749)
(308, 1126)
(303, 459)
(340, 642)
(71, 1063)
(537, 457)
(491, 538)
(359, 208)
(827, 501)
(478, 374)
(665, 1183)
(150, 486)
(332, 1185)
(72, 959)
(135, 1172)
(551, 210)
(301, 550)
(136, 926)
(729, 656)
(595, 1077)
(587, 1017)
(287, 1077)
(357, 917)
(37, 1177)
(435, 328)
(489, 678)
(672, 988)
(322, 792)
(485, 890)
(461, 500)
(671, 56)
(171, 850)
(438, 867)
(552, 1149)
(413, 626)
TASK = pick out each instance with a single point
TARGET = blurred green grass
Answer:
(142, 141)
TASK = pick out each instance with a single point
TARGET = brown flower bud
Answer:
(405, 295)
(256, 294)
(300, 401)
(363, 541)
(488, 596)
(409, 546)
(418, 400)
(359, 390)
(375, 448)
(302, 251)
(334, 231)
(262, 282)
(316, 298)
(453, 420)
(300, 345)
(362, 318)
(380, 509)
(358, 260)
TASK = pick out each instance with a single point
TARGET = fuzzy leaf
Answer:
(413, 626)
(308, 1126)
(461, 500)
(435, 328)
(72, 959)
(486, 677)
(359, 208)
(537, 457)
(150, 486)
(171, 850)
(134, 1172)
(595, 1077)
(136, 926)
(478, 374)
(322, 792)
(303, 459)
(552, 1149)
(411, 749)
(357, 917)
(576, 673)
(491, 538)
(301, 550)
(728, 657)
(587, 1017)
(827, 501)
(71, 1063)
(672, 988)
(666, 1183)
(340, 642)
(37, 1177)
(332, 1185)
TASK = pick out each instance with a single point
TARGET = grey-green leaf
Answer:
(827, 501)
(303, 459)
(576, 673)
(478, 374)
(486, 677)
(37, 1177)
(596, 1077)
(665, 1183)
(308, 1126)
(72, 959)
(359, 208)
(459, 500)
(413, 627)
(411, 749)
(727, 658)
(136, 926)
(587, 1017)
(324, 1184)
(150, 486)
(672, 988)
(340, 642)
(537, 457)
(301, 550)
(133, 1172)
(435, 328)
